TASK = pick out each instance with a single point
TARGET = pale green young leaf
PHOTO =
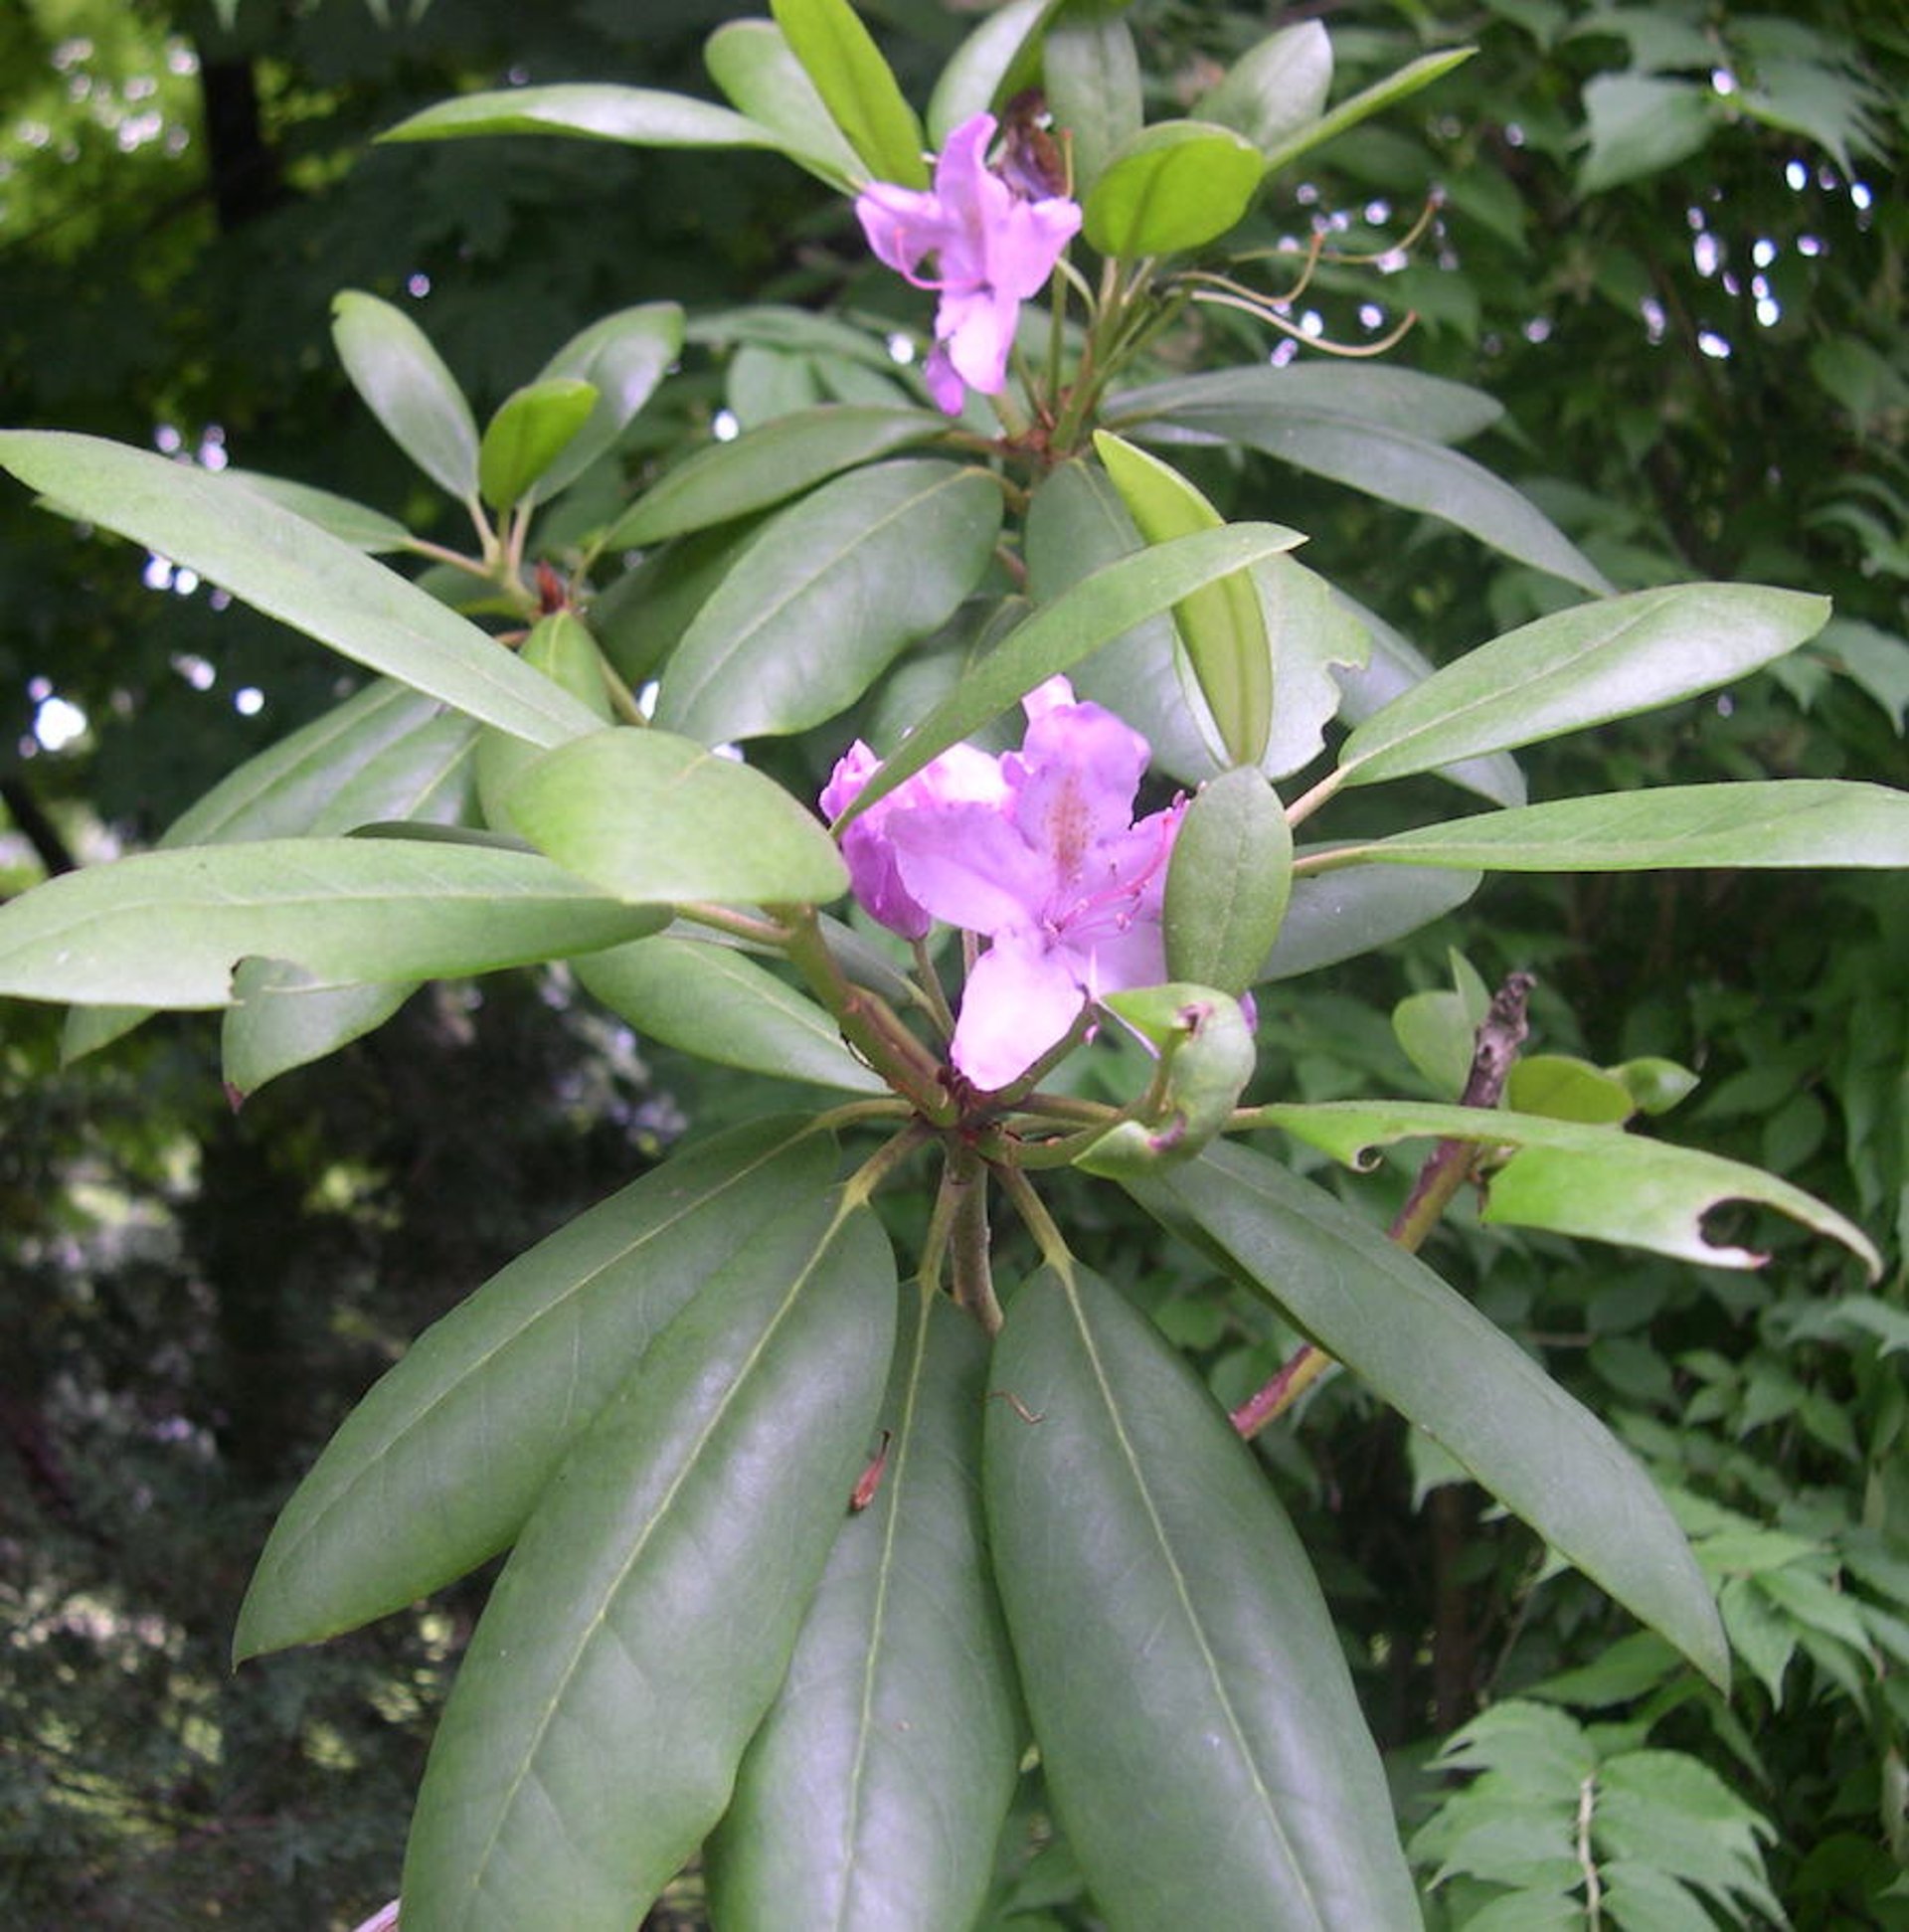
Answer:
(1367, 103)
(1173, 186)
(622, 357)
(602, 112)
(1275, 87)
(533, 427)
(757, 70)
(855, 82)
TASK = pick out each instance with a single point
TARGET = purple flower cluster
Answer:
(995, 247)
(1037, 850)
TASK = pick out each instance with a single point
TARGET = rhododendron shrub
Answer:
(936, 757)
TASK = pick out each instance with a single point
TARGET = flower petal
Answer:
(968, 865)
(1020, 1000)
(1074, 783)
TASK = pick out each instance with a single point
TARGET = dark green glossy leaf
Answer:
(1775, 823)
(1465, 1383)
(1228, 882)
(648, 1615)
(977, 70)
(1058, 634)
(657, 818)
(873, 1795)
(1579, 667)
(509, 1379)
(1275, 87)
(854, 81)
(1176, 185)
(768, 466)
(622, 357)
(533, 427)
(640, 117)
(166, 929)
(1197, 1726)
(1334, 916)
(1575, 1178)
(757, 69)
(719, 1004)
(295, 571)
(405, 386)
(1092, 80)
(830, 591)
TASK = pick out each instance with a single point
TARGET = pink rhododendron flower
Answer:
(993, 249)
(1042, 856)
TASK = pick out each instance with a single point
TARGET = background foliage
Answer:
(192, 1299)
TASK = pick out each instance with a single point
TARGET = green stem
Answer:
(1038, 1222)
(933, 993)
(860, 1186)
(969, 1248)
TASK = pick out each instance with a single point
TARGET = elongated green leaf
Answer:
(1580, 667)
(874, 1792)
(827, 596)
(166, 929)
(1395, 664)
(1441, 1365)
(757, 69)
(1228, 882)
(1275, 87)
(1367, 103)
(1398, 466)
(562, 648)
(407, 387)
(1576, 1178)
(532, 428)
(1222, 625)
(622, 357)
(654, 817)
(1334, 916)
(978, 69)
(1176, 185)
(1197, 1726)
(1093, 78)
(1058, 634)
(281, 1017)
(847, 69)
(768, 465)
(357, 524)
(295, 571)
(638, 116)
(719, 1004)
(1254, 405)
(282, 791)
(1773, 824)
(644, 1621)
(508, 1380)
